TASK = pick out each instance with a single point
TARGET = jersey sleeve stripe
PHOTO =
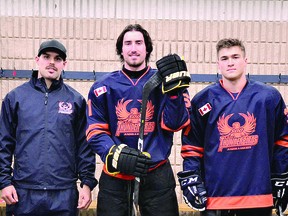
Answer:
(192, 148)
(191, 154)
(97, 126)
(95, 129)
(191, 151)
(282, 143)
(96, 132)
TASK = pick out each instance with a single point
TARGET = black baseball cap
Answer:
(53, 45)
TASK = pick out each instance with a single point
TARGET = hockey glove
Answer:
(174, 73)
(280, 192)
(128, 161)
(194, 192)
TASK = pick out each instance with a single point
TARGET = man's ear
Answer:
(65, 63)
(37, 59)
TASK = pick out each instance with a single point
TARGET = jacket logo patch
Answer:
(237, 136)
(129, 121)
(65, 108)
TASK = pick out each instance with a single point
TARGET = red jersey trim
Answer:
(191, 151)
(283, 142)
(192, 148)
(96, 129)
(240, 202)
(191, 154)
(163, 126)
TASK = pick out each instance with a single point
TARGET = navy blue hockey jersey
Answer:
(237, 141)
(114, 104)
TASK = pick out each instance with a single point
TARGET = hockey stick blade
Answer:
(151, 84)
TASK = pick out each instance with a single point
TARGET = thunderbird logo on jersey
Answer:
(237, 136)
(65, 108)
(129, 121)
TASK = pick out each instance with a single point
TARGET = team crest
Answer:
(129, 121)
(65, 108)
(237, 136)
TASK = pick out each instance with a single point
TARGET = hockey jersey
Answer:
(113, 113)
(236, 141)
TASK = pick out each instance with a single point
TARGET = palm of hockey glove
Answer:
(280, 192)
(194, 192)
(128, 161)
(174, 73)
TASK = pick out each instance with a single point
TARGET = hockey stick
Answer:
(152, 83)
(279, 211)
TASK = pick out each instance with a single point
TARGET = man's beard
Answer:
(134, 64)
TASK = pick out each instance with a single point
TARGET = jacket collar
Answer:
(39, 83)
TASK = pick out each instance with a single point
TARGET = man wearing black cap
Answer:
(42, 126)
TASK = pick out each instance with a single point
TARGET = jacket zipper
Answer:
(46, 98)
(46, 113)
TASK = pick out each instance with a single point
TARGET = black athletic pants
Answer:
(157, 195)
(239, 212)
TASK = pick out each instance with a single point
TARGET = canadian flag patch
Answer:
(205, 109)
(99, 91)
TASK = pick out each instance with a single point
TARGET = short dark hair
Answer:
(147, 40)
(230, 42)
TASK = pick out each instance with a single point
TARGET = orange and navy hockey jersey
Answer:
(236, 141)
(113, 115)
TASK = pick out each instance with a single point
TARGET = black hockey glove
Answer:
(174, 72)
(280, 192)
(194, 192)
(128, 161)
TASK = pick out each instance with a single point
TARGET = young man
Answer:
(42, 126)
(113, 115)
(237, 139)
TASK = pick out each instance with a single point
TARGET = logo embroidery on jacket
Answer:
(237, 136)
(65, 108)
(129, 121)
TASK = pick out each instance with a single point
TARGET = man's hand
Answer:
(128, 160)
(9, 195)
(280, 192)
(85, 199)
(174, 72)
(194, 192)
